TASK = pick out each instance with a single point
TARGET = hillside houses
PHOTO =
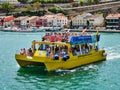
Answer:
(87, 20)
(58, 20)
(113, 21)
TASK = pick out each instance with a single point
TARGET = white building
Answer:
(81, 20)
(58, 20)
(113, 21)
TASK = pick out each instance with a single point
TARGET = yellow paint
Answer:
(51, 64)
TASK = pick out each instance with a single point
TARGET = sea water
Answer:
(104, 75)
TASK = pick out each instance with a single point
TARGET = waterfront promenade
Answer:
(93, 30)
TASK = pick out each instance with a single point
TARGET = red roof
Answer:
(8, 18)
(113, 16)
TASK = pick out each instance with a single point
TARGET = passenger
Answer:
(48, 52)
(21, 51)
(51, 55)
(29, 52)
(73, 34)
(77, 49)
(91, 47)
(83, 49)
(53, 38)
(86, 48)
(84, 32)
(96, 48)
(63, 52)
(59, 37)
(47, 38)
(57, 49)
(24, 51)
(76, 34)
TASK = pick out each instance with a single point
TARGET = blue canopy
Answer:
(84, 39)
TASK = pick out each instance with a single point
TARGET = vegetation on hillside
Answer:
(30, 13)
(6, 7)
(56, 10)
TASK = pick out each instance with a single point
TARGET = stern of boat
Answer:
(24, 60)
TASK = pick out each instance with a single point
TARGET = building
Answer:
(113, 21)
(31, 21)
(6, 21)
(58, 20)
(41, 22)
(61, 20)
(80, 20)
(20, 22)
(87, 20)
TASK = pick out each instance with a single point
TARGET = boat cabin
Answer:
(77, 45)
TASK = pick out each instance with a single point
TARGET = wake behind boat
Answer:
(62, 51)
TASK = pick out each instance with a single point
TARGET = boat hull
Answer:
(52, 64)
(24, 61)
(75, 61)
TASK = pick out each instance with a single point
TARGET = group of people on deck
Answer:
(23, 52)
(61, 37)
(57, 37)
(56, 51)
(83, 49)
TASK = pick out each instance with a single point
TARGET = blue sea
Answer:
(104, 75)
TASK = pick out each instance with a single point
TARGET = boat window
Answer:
(80, 49)
(36, 46)
(75, 50)
(43, 47)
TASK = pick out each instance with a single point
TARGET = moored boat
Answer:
(75, 51)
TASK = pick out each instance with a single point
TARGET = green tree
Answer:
(81, 2)
(74, 4)
(105, 23)
(42, 1)
(7, 7)
(50, 1)
(33, 1)
(36, 5)
(90, 2)
(0, 7)
(53, 9)
(88, 23)
(29, 7)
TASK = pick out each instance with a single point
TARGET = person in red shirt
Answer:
(59, 37)
(53, 38)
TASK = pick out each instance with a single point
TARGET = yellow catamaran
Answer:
(77, 51)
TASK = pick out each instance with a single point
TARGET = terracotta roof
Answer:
(8, 18)
(113, 16)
